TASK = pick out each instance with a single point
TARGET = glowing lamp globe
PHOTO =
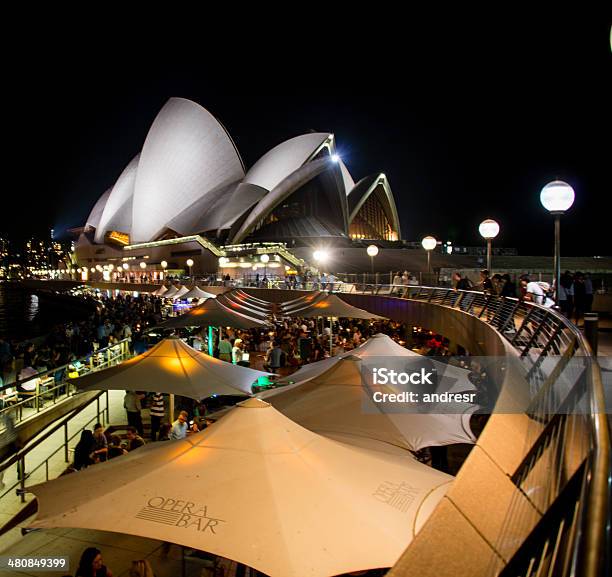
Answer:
(143, 265)
(264, 258)
(372, 250)
(488, 229)
(189, 262)
(163, 264)
(125, 266)
(429, 243)
(557, 196)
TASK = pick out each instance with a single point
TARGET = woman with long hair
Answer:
(91, 564)
(84, 450)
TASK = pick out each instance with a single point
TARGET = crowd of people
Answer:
(112, 320)
(575, 290)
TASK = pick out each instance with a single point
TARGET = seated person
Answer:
(134, 440)
(114, 447)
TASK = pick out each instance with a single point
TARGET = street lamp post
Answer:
(372, 251)
(488, 229)
(164, 265)
(429, 243)
(557, 197)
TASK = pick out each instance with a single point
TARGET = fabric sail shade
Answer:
(197, 293)
(213, 313)
(259, 489)
(335, 403)
(331, 306)
(174, 367)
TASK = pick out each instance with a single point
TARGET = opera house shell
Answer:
(189, 179)
(188, 185)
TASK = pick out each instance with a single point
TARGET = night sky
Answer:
(468, 119)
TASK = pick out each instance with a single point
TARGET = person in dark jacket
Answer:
(84, 450)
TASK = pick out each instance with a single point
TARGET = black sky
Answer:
(468, 119)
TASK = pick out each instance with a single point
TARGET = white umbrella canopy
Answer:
(197, 293)
(172, 290)
(335, 403)
(258, 489)
(173, 367)
(182, 290)
(452, 379)
(331, 306)
(163, 289)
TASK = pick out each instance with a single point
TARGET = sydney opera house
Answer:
(187, 195)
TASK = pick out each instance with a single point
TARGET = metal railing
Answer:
(566, 471)
(53, 385)
(19, 458)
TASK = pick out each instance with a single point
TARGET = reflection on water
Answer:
(19, 313)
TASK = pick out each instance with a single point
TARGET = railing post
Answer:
(66, 442)
(21, 478)
(107, 410)
(98, 407)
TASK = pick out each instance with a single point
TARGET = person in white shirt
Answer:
(179, 427)
(536, 292)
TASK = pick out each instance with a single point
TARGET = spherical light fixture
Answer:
(557, 197)
(164, 264)
(429, 243)
(372, 250)
(264, 258)
(143, 265)
(189, 262)
(488, 229)
(125, 266)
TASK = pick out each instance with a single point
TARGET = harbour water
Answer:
(19, 313)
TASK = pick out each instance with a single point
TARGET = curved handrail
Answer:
(539, 333)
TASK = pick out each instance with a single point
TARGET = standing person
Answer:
(225, 349)
(485, 282)
(179, 427)
(91, 564)
(509, 287)
(274, 358)
(461, 283)
(237, 351)
(566, 293)
(132, 405)
(397, 283)
(157, 414)
(580, 297)
(588, 289)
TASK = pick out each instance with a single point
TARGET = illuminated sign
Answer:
(117, 237)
